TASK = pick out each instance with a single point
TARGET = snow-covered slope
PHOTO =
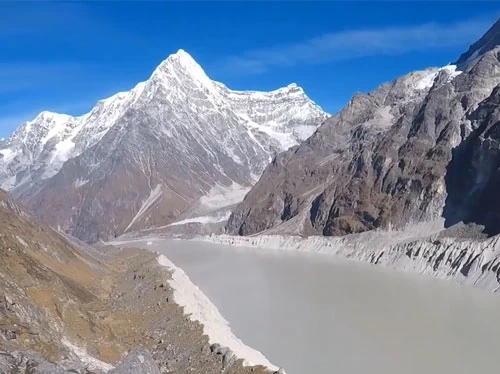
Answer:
(147, 157)
(39, 148)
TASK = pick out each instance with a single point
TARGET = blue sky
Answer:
(65, 56)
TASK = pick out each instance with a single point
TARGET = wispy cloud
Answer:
(346, 45)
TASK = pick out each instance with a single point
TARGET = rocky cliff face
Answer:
(418, 148)
(68, 308)
(46, 284)
(487, 42)
(473, 177)
(171, 148)
(425, 249)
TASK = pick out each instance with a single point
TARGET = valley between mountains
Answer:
(405, 176)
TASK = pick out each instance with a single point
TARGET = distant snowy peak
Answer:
(182, 81)
(44, 144)
(181, 70)
(38, 149)
(488, 41)
(182, 62)
(43, 127)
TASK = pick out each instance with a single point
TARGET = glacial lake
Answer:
(311, 313)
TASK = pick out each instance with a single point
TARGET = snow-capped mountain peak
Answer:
(180, 67)
(169, 140)
(182, 58)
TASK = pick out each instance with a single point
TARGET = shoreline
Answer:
(198, 307)
(474, 263)
(423, 249)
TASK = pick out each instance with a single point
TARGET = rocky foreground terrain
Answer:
(68, 308)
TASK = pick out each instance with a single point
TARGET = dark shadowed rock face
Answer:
(382, 161)
(473, 177)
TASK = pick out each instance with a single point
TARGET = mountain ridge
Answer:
(488, 41)
(161, 147)
(388, 158)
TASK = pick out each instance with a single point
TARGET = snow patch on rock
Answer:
(203, 219)
(7, 154)
(80, 182)
(222, 196)
(427, 81)
(215, 206)
(153, 196)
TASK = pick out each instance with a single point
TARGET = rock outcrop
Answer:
(416, 149)
(487, 42)
(138, 361)
(26, 362)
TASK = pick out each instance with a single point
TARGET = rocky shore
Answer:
(460, 254)
(146, 331)
(70, 308)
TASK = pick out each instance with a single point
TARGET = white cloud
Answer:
(345, 45)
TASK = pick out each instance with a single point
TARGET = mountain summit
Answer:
(176, 146)
(488, 41)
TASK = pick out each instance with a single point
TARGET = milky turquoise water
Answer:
(311, 313)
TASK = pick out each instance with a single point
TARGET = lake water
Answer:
(313, 313)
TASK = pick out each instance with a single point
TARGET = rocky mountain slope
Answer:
(176, 146)
(419, 148)
(487, 42)
(45, 283)
(68, 308)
